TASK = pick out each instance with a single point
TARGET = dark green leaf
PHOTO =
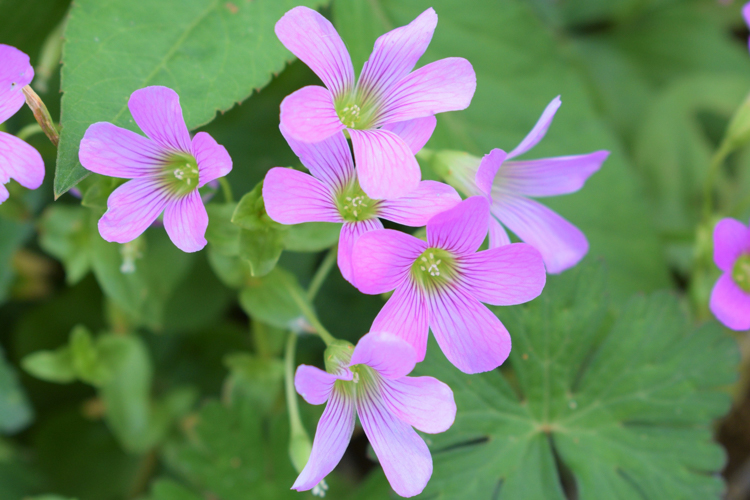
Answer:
(267, 299)
(15, 409)
(14, 234)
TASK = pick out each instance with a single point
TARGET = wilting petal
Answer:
(212, 158)
(350, 233)
(561, 244)
(313, 39)
(386, 353)
(386, 167)
(504, 276)
(157, 112)
(730, 304)
(331, 439)
(186, 220)
(395, 55)
(131, 208)
(550, 176)
(382, 259)
(405, 315)
(539, 130)
(415, 133)
(498, 236)
(116, 152)
(488, 168)
(415, 209)
(20, 161)
(293, 197)
(471, 337)
(444, 85)
(314, 384)
(308, 114)
(423, 402)
(15, 73)
(462, 228)
(329, 160)
(731, 239)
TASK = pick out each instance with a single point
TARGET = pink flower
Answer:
(509, 184)
(746, 15)
(371, 382)
(166, 169)
(333, 194)
(730, 298)
(441, 283)
(18, 160)
(387, 94)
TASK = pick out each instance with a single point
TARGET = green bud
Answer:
(741, 272)
(338, 354)
(457, 168)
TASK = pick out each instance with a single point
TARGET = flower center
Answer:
(434, 268)
(181, 173)
(741, 272)
(354, 113)
(354, 205)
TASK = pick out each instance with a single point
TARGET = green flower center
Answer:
(741, 272)
(181, 173)
(434, 268)
(354, 113)
(354, 205)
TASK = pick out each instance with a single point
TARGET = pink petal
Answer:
(498, 236)
(157, 112)
(402, 453)
(313, 384)
(506, 275)
(329, 160)
(331, 439)
(350, 233)
(415, 209)
(382, 259)
(444, 85)
(405, 315)
(213, 159)
(415, 133)
(313, 39)
(15, 73)
(4, 194)
(293, 197)
(539, 130)
(462, 228)
(487, 170)
(116, 152)
(20, 161)
(550, 176)
(308, 115)
(561, 244)
(131, 208)
(186, 220)
(395, 55)
(386, 167)
(746, 13)
(730, 304)
(471, 337)
(386, 353)
(731, 239)
(423, 402)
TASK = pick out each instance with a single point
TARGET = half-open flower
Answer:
(730, 298)
(18, 160)
(441, 283)
(167, 167)
(511, 185)
(370, 381)
(387, 95)
(333, 193)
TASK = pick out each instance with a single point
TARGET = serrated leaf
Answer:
(212, 53)
(267, 299)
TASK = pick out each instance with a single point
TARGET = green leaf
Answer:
(622, 408)
(15, 409)
(65, 233)
(87, 363)
(222, 234)
(261, 238)
(255, 378)
(167, 489)
(52, 366)
(14, 234)
(312, 236)
(521, 66)
(211, 52)
(267, 299)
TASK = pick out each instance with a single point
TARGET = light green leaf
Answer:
(222, 235)
(312, 236)
(87, 363)
(15, 409)
(267, 299)
(213, 53)
(255, 378)
(52, 366)
(65, 233)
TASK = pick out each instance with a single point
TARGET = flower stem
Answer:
(226, 189)
(322, 273)
(299, 441)
(713, 171)
(28, 131)
(309, 314)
